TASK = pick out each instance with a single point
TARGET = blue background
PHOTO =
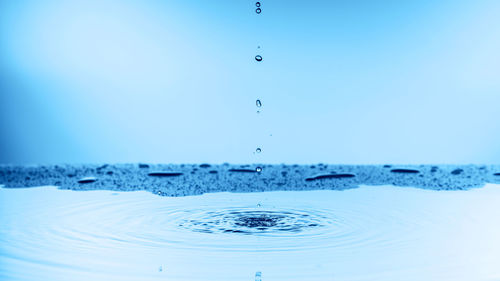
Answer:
(175, 81)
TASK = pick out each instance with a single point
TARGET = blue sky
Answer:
(353, 82)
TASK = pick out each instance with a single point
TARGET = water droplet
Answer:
(258, 103)
(405, 171)
(258, 205)
(258, 169)
(160, 269)
(258, 10)
(164, 174)
(87, 180)
(258, 150)
(258, 276)
(257, 4)
(258, 58)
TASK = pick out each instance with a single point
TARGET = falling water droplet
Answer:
(258, 10)
(258, 103)
(257, 4)
(258, 150)
(258, 205)
(258, 169)
(258, 58)
(160, 269)
(258, 276)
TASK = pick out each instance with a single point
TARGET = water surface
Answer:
(369, 233)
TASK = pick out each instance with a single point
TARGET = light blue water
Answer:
(369, 233)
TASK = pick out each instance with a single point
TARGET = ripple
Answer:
(129, 221)
(254, 222)
(46, 226)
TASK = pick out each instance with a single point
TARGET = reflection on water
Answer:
(370, 233)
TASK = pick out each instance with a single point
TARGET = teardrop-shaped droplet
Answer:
(258, 103)
(258, 58)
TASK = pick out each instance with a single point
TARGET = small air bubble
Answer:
(258, 169)
(258, 150)
(257, 4)
(258, 10)
(258, 58)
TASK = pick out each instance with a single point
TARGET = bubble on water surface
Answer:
(258, 169)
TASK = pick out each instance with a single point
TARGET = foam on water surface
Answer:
(369, 233)
(195, 179)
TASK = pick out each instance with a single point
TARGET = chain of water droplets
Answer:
(258, 102)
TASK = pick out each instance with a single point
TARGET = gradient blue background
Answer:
(175, 81)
